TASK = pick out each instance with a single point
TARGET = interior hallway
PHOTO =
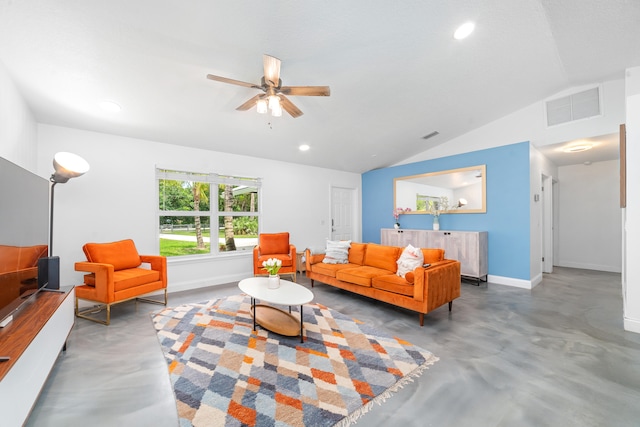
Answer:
(556, 355)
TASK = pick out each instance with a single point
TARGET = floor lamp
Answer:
(66, 166)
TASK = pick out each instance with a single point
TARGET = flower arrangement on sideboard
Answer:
(436, 207)
(396, 215)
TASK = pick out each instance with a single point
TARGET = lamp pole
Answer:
(53, 184)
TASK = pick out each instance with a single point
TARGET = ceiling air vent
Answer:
(578, 106)
(431, 135)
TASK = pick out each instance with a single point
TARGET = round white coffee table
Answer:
(272, 318)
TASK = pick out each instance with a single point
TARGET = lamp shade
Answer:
(274, 102)
(67, 166)
(261, 105)
(277, 111)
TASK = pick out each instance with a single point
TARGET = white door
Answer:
(341, 213)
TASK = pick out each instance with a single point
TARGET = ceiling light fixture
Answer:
(272, 102)
(577, 148)
(110, 106)
(304, 147)
(262, 107)
(276, 111)
(464, 31)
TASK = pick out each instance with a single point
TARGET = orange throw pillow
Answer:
(274, 243)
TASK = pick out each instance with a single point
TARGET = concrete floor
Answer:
(556, 355)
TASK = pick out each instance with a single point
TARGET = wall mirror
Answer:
(464, 188)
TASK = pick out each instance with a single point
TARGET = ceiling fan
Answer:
(274, 98)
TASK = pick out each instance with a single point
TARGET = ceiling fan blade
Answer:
(306, 90)
(289, 107)
(233, 82)
(250, 103)
(271, 70)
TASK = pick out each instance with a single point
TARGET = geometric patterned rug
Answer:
(225, 374)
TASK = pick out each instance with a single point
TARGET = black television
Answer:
(24, 236)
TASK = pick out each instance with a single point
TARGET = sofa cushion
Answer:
(127, 278)
(361, 275)
(383, 257)
(330, 269)
(274, 243)
(337, 252)
(432, 255)
(356, 253)
(410, 259)
(393, 283)
(122, 254)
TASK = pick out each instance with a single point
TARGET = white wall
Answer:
(631, 215)
(18, 131)
(589, 216)
(117, 199)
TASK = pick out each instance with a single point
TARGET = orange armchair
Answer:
(116, 274)
(274, 245)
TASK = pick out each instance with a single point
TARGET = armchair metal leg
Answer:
(153, 301)
(83, 314)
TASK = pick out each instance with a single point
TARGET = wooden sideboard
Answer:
(468, 247)
(33, 341)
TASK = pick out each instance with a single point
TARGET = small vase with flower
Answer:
(396, 215)
(436, 207)
(272, 265)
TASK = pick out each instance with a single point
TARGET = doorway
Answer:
(547, 223)
(342, 211)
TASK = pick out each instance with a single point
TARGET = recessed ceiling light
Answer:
(110, 106)
(577, 148)
(464, 30)
(304, 147)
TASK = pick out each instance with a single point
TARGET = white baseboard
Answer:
(587, 266)
(632, 325)
(517, 283)
(197, 284)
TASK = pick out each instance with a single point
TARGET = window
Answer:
(198, 209)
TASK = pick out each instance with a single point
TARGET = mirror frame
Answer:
(483, 169)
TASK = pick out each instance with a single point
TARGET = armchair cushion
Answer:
(122, 254)
(128, 278)
(287, 260)
(274, 243)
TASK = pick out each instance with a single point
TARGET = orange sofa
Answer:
(116, 274)
(371, 271)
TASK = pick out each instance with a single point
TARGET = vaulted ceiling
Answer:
(395, 71)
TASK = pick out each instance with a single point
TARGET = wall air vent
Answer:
(574, 107)
(431, 135)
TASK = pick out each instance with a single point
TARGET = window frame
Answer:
(214, 214)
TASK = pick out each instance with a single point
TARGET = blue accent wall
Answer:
(507, 220)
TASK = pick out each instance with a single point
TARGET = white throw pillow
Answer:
(410, 259)
(337, 252)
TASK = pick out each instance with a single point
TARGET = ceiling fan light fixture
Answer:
(274, 102)
(277, 110)
(261, 106)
